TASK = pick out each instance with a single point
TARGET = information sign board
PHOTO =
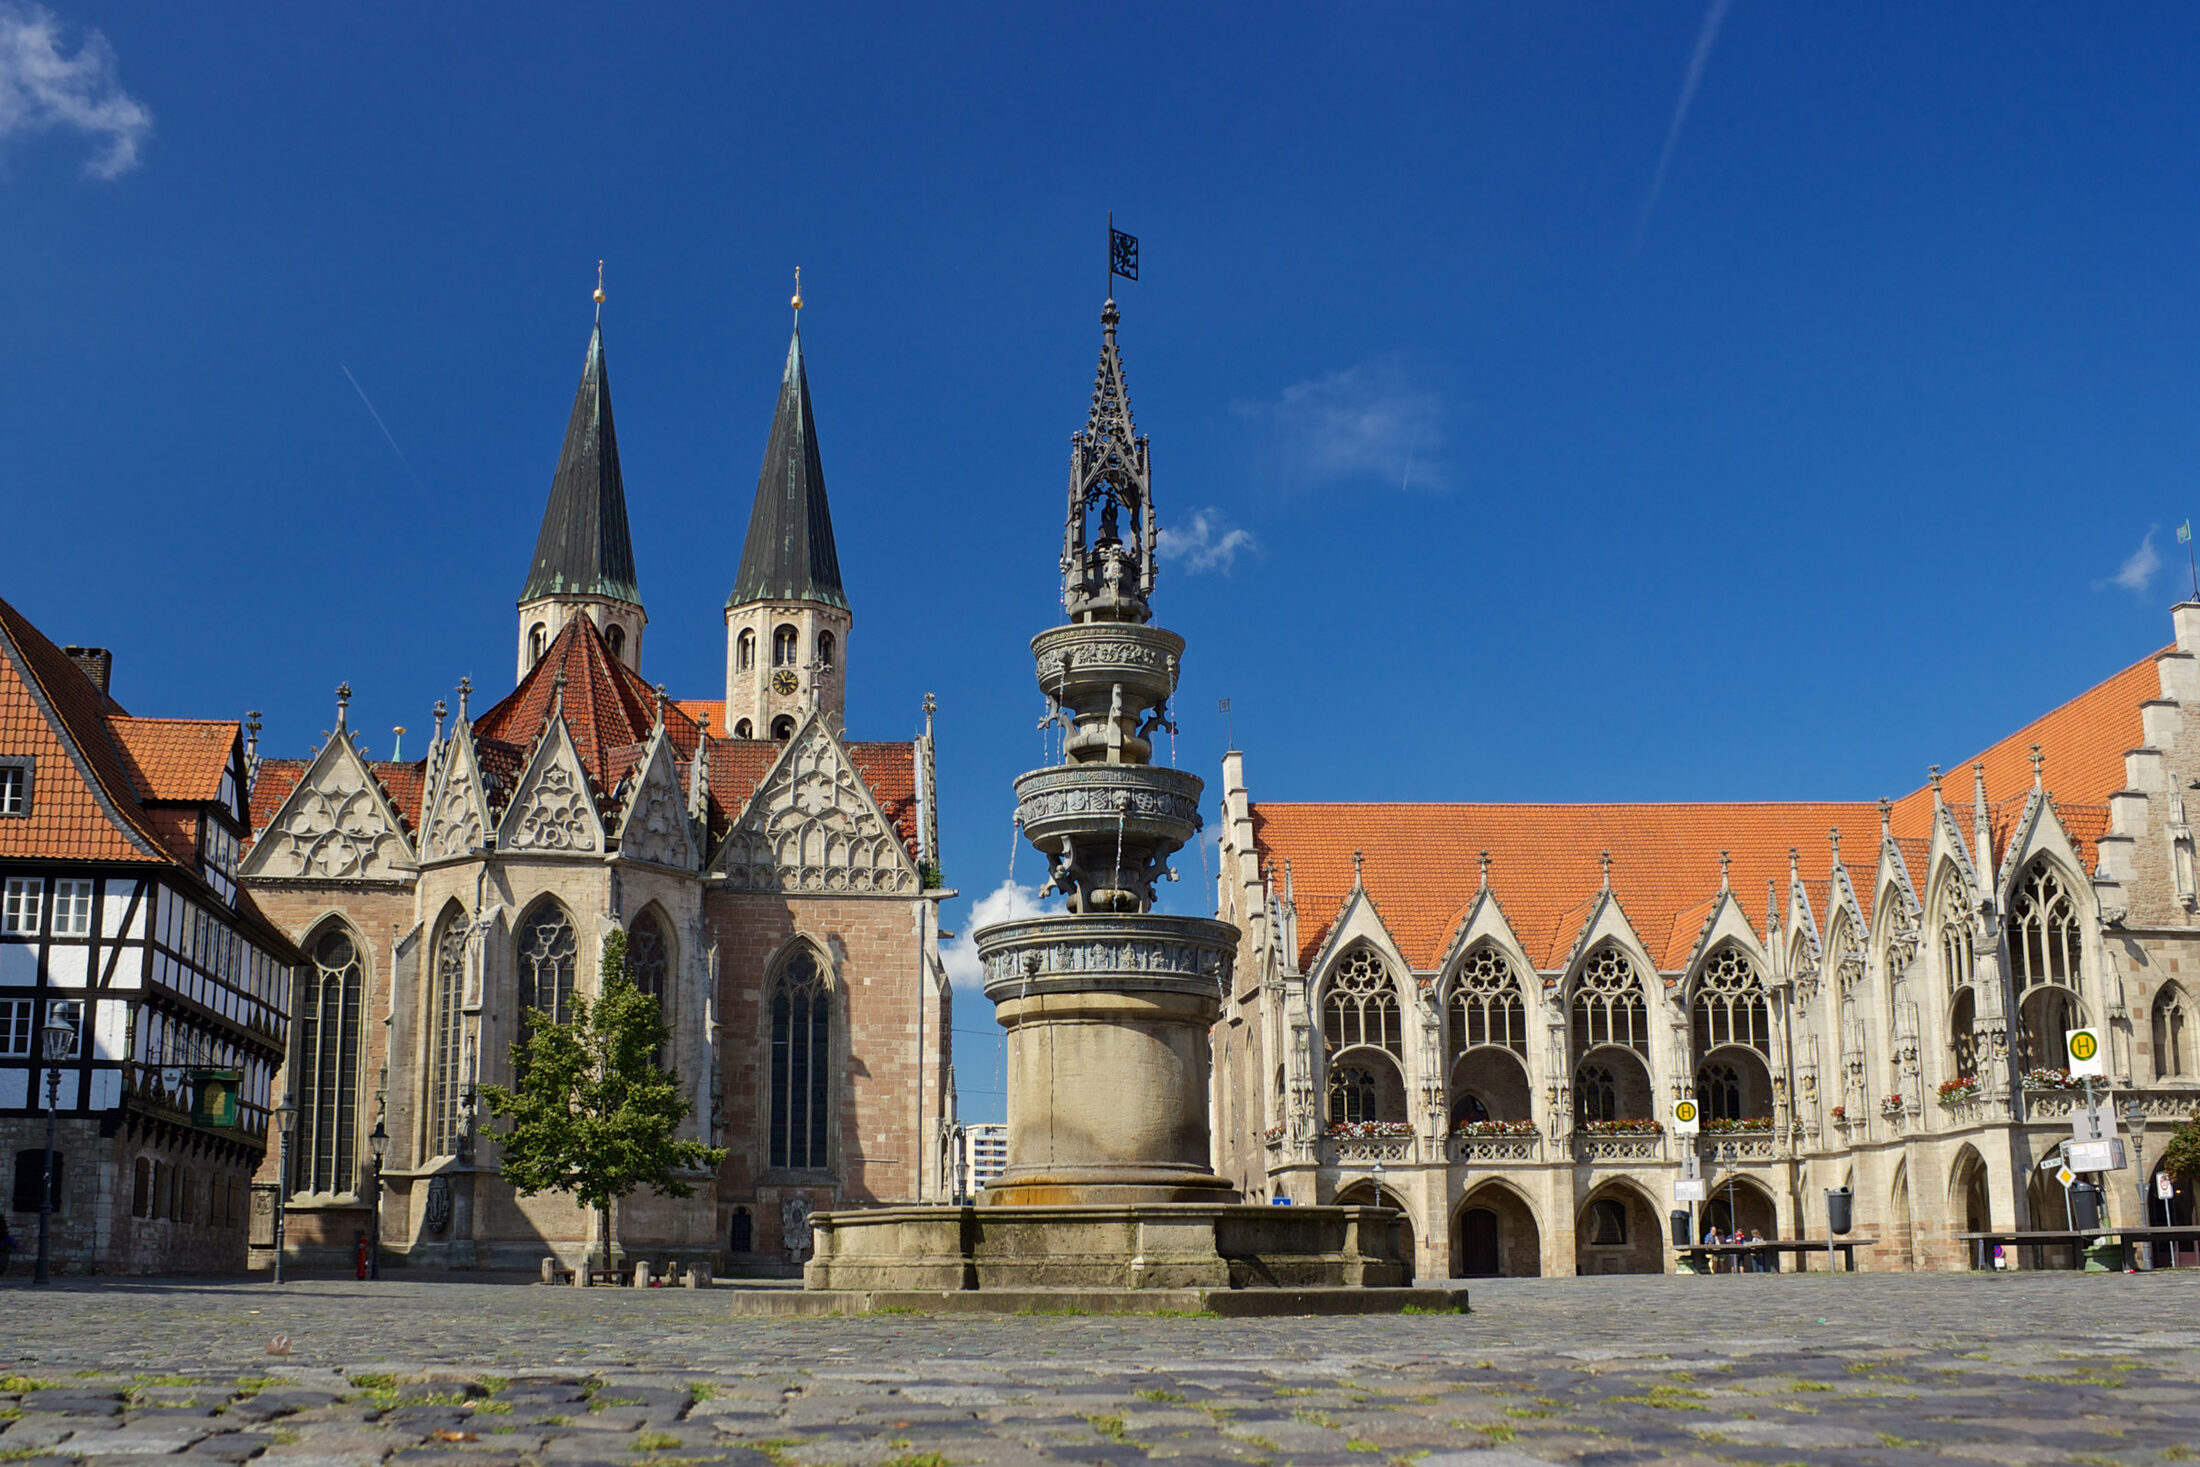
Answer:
(1689, 1189)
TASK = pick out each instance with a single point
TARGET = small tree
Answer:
(2181, 1158)
(590, 1111)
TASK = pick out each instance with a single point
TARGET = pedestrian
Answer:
(1759, 1260)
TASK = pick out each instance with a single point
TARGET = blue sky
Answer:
(1526, 435)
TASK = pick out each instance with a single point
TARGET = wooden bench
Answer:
(2039, 1240)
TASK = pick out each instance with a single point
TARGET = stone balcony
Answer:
(1618, 1146)
(1356, 1151)
(1487, 1150)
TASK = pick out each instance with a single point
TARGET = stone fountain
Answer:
(1110, 1199)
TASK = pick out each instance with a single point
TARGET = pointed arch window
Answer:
(827, 649)
(1719, 1089)
(649, 962)
(616, 636)
(446, 1036)
(1596, 1093)
(1608, 1006)
(548, 959)
(1730, 1006)
(537, 640)
(1353, 1095)
(2044, 945)
(1361, 1006)
(801, 1060)
(327, 1086)
(1963, 1035)
(1486, 1006)
(2173, 1058)
(1957, 960)
(785, 641)
(744, 650)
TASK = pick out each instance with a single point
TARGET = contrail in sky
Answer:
(354, 381)
(1706, 38)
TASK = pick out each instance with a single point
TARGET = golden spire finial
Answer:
(599, 282)
(797, 301)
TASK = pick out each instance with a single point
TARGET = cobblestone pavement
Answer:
(1779, 1368)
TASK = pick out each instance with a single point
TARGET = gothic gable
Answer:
(813, 826)
(655, 827)
(552, 810)
(457, 819)
(336, 825)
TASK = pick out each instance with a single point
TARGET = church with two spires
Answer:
(776, 882)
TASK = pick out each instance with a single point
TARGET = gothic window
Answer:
(2173, 1057)
(826, 649)
(2043, 931)
(446, 1033)
(327, 1084)
(1608, 1222)
(536, 640)
(784, 641)
(783, 728)
(1361, 1006)
(1719, 1090)
(744, 730)
(1730, 1004)
(1955, 937)
(744, 651)
(1596, 1093)
(1608, 1006)
(648, 960)
(1962, 1041)
(1486, 1007)
(548, 958)
(616, 636)
(801, 1008)
(1352, 1095)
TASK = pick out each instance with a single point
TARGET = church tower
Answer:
(584, 562)
(787, 620)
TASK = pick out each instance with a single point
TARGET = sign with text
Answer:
(1689, 1189)
(2098, 1156)
(2086, 1057)
(1687, 1119)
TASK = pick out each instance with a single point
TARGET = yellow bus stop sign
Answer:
(2085, 1053)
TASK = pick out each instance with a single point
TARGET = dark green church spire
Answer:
(789, 554)
(584, 549)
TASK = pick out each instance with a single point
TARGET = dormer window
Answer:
(15, 786)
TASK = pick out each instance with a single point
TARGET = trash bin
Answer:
(2085, 1206)
(1679, 1216)
(1840, 1210)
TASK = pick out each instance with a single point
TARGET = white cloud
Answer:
(42, 90)
(1366, 422)
(2137, 571)
(1005, 903)
(1207, 545)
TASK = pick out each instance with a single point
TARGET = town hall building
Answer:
(776, 882)
(1483, 1014)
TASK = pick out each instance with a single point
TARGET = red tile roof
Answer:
(176, 758)
(1420, 861)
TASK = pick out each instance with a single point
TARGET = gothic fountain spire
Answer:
(1108, 542)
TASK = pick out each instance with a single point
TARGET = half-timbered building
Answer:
(124, 931)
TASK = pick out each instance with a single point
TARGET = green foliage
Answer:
(2182, 1156)
(592, 1114)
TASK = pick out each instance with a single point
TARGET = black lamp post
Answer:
(377, 1143)
(2141, 1254)
(286, 1117)
(56, 1042)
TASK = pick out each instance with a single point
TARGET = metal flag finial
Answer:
(796, 302)
(1122, 255)
(599, 290)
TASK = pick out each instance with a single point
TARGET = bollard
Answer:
(549, 1270)
(641, 1274)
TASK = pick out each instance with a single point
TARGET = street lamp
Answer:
(56, 1042)
(2141, 1255)
(286, 1117)
(377, 1143)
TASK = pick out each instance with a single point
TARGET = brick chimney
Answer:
(96, 663)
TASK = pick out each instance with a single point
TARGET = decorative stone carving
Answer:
(458, 811)
(337, 825)
(1040, 951)
(436, 1215)
(655, 826)
(552, 811)
(813, 826)
(794, 1227)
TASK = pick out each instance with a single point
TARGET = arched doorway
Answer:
(2047, 1206)
(1899, 1228)
(1366, 1194)
(1968, 1202)
(1618, 1231)
(1496, 1236)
